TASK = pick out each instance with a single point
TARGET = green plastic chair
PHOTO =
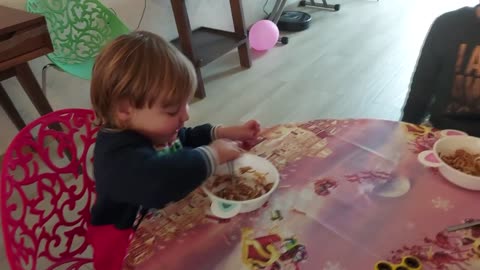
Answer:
(78, 30)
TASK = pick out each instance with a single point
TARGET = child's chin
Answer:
(173, 138)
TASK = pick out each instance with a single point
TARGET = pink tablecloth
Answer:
(352, 193)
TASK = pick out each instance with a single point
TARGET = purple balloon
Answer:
(263, 35)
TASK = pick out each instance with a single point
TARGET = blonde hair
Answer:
(141, 68)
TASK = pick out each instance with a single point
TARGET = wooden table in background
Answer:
(23, 36)
(204, 45)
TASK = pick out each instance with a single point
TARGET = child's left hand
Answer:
(246, 132)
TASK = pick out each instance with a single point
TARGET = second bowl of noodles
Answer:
(457, 159)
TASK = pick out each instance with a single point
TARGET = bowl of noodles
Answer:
(253, 181)
(457, 159)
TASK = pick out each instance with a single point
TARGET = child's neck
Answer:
(162, 143)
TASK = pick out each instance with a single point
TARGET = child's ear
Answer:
(124, 111)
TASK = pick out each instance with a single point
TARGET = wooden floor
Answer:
(356, 63)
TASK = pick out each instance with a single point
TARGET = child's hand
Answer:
(226, 150)
(251, 130)
(246, 132)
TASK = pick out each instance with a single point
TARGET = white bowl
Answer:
(447, 146)
(223, 208)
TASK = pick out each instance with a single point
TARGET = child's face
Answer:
(161, 124)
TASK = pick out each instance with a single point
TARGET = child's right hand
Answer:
(226, 150)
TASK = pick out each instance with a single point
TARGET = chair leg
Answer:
(10, 109)
(200, 93)
(44, 75)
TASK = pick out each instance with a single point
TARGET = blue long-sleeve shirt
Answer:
(131, 175)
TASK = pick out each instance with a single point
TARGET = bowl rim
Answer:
(274, 187)
(444, 164)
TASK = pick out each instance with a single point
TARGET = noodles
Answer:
(463, 161)
(249, 185)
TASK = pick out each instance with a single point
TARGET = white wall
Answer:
(65, 91)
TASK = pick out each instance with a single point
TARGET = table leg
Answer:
(239, 26)
(10, 109)
(185, 37)
(32, 88)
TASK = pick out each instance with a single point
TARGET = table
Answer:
(352, 193)
(204, 45)
(23, 37)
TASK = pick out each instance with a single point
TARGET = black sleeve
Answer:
(142, 177)
(423, 81)
(197, 136)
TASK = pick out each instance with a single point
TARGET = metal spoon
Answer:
(463, 226)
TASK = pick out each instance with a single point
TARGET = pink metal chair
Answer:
(47, 190)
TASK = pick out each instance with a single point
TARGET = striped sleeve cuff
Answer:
(210, 157)
(214, 133)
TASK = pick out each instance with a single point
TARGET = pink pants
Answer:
(110, 246)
